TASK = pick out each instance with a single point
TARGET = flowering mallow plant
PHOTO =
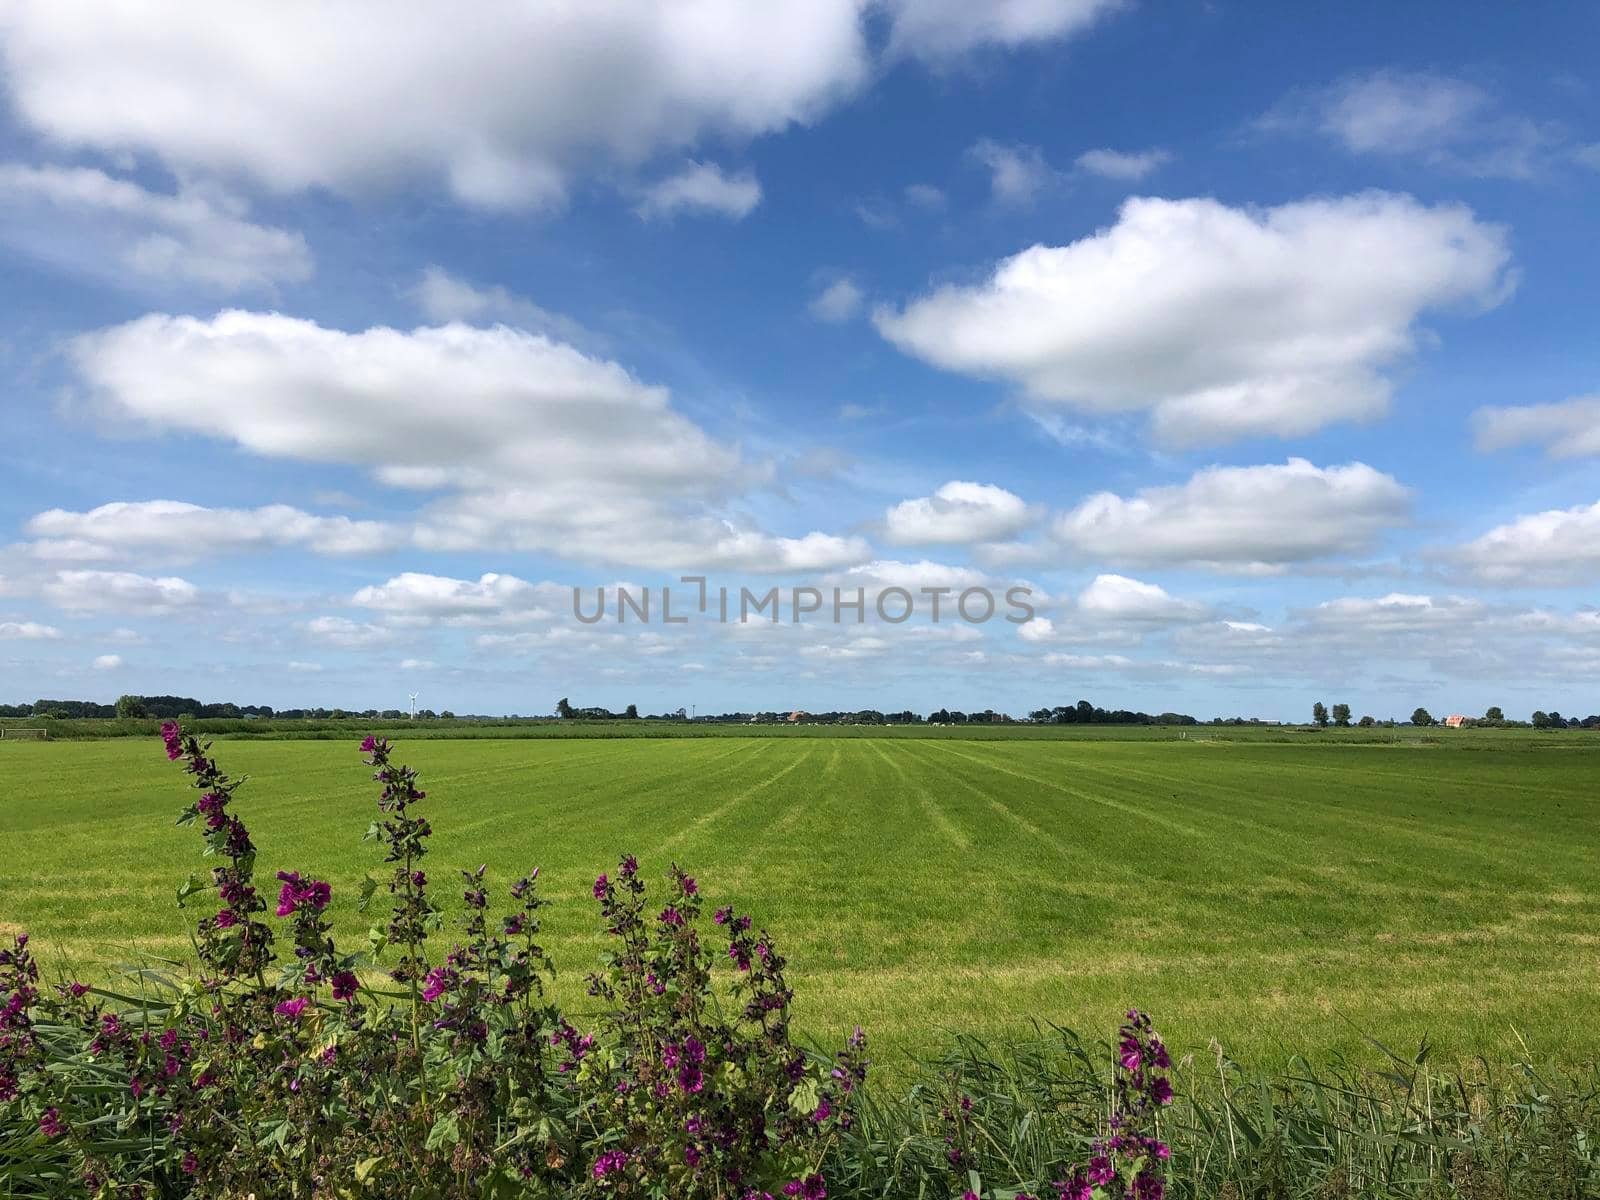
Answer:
(287, 1066)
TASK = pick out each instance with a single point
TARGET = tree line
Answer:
(1494, 717)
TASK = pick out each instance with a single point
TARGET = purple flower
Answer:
(690, 888)
(369, 744)
(611, 1160)
(291, 1008)
(173, 737)
(600, 886)
(344, 985)
(809, 1188)
(440, 980)
(294, 894)
(50, 1123)
(226, 919)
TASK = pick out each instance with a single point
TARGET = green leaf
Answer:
(804, 1099)
(190, 887)
(365, 1167)
(446, 1131)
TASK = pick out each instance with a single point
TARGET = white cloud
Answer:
(958, 512)
(28, 631)
(1017, 174)
(1221, 322)
(88, 221)
(347, 634)
(1118, 598)
(1039, 629)
(941, 29)
(413, 595)
(1449, 123)
(303, 668)
(108, 662)
(173, 530)
(839, 301)
(416, 664)
(536, 445)
(444, 297)
(121, 592)
(1240, 518)
(1568, 429)
(702, 188)
(1120, 164)
(525, 97)
(1557, 548)
(931, 199)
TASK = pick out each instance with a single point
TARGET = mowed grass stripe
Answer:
(1279, 897)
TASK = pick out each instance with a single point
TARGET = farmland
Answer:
(1280, 896)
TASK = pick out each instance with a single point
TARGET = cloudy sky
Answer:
(1257, 341)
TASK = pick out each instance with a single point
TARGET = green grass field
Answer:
(1278, 896)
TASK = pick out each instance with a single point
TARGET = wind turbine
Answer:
(414, 696)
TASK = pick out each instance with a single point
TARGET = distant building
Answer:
(1455, 721)
(797, 715)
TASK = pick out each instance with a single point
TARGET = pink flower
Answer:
(291, 1008)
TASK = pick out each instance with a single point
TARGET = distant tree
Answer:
(631, 713)
(1422, 717)
(1541, 719)
(1366, 722)
(130, 706)
(1557, 721)
(563, 709)
(1319, 713)
(1341, 715)
(447, 715)
(1494, 714)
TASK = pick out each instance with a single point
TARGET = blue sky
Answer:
(1256, 340)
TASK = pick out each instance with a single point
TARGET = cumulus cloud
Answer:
(837, 302)
(121, 592)
(1243, 519)
(524, 99)
(1447, 122)
(88, 221)
(940, 29)
(534, 444)
(28, 631)
(1557, 548)
(413, 595)
(1118, 598)
(702, 188)
(443, 297)
(173, 530)
(347, 634)
(957, 513)
(1122, 165)
(1567, 429)
(1220, 322)
(1017, 174)
(108, 662)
